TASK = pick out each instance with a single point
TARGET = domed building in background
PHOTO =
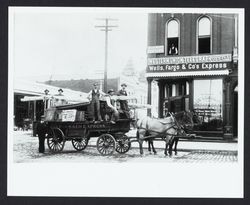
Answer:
(135, 87)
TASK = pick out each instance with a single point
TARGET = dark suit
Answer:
(41, 131)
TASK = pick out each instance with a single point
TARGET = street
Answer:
(26, 150)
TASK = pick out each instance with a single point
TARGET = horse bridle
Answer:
(179, 127)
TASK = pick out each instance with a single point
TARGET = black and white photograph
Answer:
(126, 102)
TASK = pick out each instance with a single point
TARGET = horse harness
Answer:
(165, 132)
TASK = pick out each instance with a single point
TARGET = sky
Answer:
(65, 44)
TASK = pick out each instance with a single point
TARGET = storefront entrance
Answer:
(174, 96)
(203, 96)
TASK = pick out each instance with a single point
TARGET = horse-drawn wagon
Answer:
(71, 123)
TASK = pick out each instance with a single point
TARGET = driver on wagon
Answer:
(112, 107)
(94, 97)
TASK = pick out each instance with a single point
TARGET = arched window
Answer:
(172, 37)
(204, 35)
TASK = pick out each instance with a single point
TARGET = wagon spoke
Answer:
(101, 148)
(104, 151)
(52, 146)
(55, 147)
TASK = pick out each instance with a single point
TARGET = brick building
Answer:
(193, 59)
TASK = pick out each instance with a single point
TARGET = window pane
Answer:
(204, 45)
(204, 27)
(173, 90)
(173, 29)
(187, 88)
(172, 46)
(208, 103)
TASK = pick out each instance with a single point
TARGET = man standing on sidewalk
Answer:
(41, 131)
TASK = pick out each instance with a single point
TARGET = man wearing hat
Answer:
(59, 99)
(94, 97)
(112, 110)
(46, 101)
(60, 91)
(124, 103)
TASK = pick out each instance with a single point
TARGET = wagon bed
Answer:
(111, 136)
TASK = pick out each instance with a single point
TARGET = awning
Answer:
(186, 74)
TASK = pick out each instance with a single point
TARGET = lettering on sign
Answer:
(91, 126)
(189, 67)
(190, 63)
(190, 59)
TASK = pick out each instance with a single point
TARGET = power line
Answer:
(106, 28)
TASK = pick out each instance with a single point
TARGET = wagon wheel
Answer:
(106, 144)
(123, 144)
(80, 143)
(56, 140)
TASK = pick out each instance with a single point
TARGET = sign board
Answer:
(190, 63)
(155, 49)
(68, 115)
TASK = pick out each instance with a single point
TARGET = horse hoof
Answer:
(155, 152)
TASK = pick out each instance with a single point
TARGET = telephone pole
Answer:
(106, 28)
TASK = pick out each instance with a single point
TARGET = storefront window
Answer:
(187, 88)
(208, 103)
(173, 90)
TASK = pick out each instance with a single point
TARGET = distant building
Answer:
(193, 59)
(135, 87)
(35, 109)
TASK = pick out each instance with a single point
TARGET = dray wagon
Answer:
(71, 123)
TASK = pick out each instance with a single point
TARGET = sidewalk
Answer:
(188, 145)
(197, 145)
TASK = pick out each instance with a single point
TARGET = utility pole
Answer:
(106, 28)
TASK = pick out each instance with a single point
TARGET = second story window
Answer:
(204, 35)
(172, 37)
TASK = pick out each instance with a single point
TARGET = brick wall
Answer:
(222, 32)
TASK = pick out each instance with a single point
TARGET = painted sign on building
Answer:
(190, 63)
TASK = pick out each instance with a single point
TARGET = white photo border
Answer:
(187, 180)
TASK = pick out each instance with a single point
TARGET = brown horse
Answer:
(149, 129)
(184, 120)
